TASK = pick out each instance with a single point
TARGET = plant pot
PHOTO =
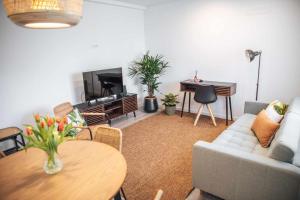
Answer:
(150, 104)
(170, 110)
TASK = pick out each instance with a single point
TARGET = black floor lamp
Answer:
(251, 56)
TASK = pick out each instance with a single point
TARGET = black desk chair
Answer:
(205, 95)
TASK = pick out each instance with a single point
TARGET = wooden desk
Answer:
(91, 170)
(225, 89)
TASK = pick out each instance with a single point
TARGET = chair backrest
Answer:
(110, 136)
(63, 109)
(2, 155)
(205, 94)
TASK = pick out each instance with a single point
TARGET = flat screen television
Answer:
(102, 83)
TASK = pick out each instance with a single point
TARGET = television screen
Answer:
(102, 83)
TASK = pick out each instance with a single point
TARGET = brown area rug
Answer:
(158, 151)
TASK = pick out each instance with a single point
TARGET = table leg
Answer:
(134, 114)
(230, 107)
(183, 103)
(23, 141)
(190, 94)
(16, 143)
(226, 110)
(118, 196)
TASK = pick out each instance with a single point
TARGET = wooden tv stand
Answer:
(121, 105)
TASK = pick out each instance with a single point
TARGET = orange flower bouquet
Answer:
(47, 135)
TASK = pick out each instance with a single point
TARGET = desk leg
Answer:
(190, 101)
(230, 107)
(226, 110)
(183, 103)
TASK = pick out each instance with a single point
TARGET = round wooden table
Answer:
(91, 170)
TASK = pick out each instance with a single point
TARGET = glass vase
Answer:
(52, 165)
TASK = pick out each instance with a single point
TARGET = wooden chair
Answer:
(205, 95)
(2, 155)
(112, 137)
(88, 132)
(12, 133)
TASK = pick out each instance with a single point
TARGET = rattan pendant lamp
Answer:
(44, 14)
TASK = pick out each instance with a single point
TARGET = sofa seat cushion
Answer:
(243, 124)
(245, 121)
(241, 141)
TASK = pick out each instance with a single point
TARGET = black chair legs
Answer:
(123, 193)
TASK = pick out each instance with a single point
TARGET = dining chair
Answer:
(112, 137)
(87, 132)
(205, 95)
(14, 134)
(2, 155)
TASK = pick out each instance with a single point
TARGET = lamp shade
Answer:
(251, 54)
(44, 14)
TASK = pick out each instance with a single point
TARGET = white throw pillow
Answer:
(272, 113)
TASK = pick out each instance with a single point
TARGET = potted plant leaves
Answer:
(170, 102)
(149, 68)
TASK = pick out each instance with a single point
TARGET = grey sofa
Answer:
(236, 167)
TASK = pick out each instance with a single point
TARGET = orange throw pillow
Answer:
(264, 128)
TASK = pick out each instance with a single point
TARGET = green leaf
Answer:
(170, 100)
(149, 69)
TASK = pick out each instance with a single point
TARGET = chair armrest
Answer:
(234, 174)
(254, 107)
(93, 114)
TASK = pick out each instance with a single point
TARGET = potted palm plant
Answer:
(149, 68)
(170, 102)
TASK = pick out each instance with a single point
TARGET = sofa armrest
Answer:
(234, 175)
(254, 107)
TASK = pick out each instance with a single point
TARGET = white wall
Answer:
(42, 68)
(211, 36)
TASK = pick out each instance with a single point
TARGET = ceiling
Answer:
(146, 2)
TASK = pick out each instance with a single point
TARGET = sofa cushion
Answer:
(243, 124)
(245, 121)
(294, 106)
(241, 141)
(285, 143)
(239, 136)
(264, 129)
